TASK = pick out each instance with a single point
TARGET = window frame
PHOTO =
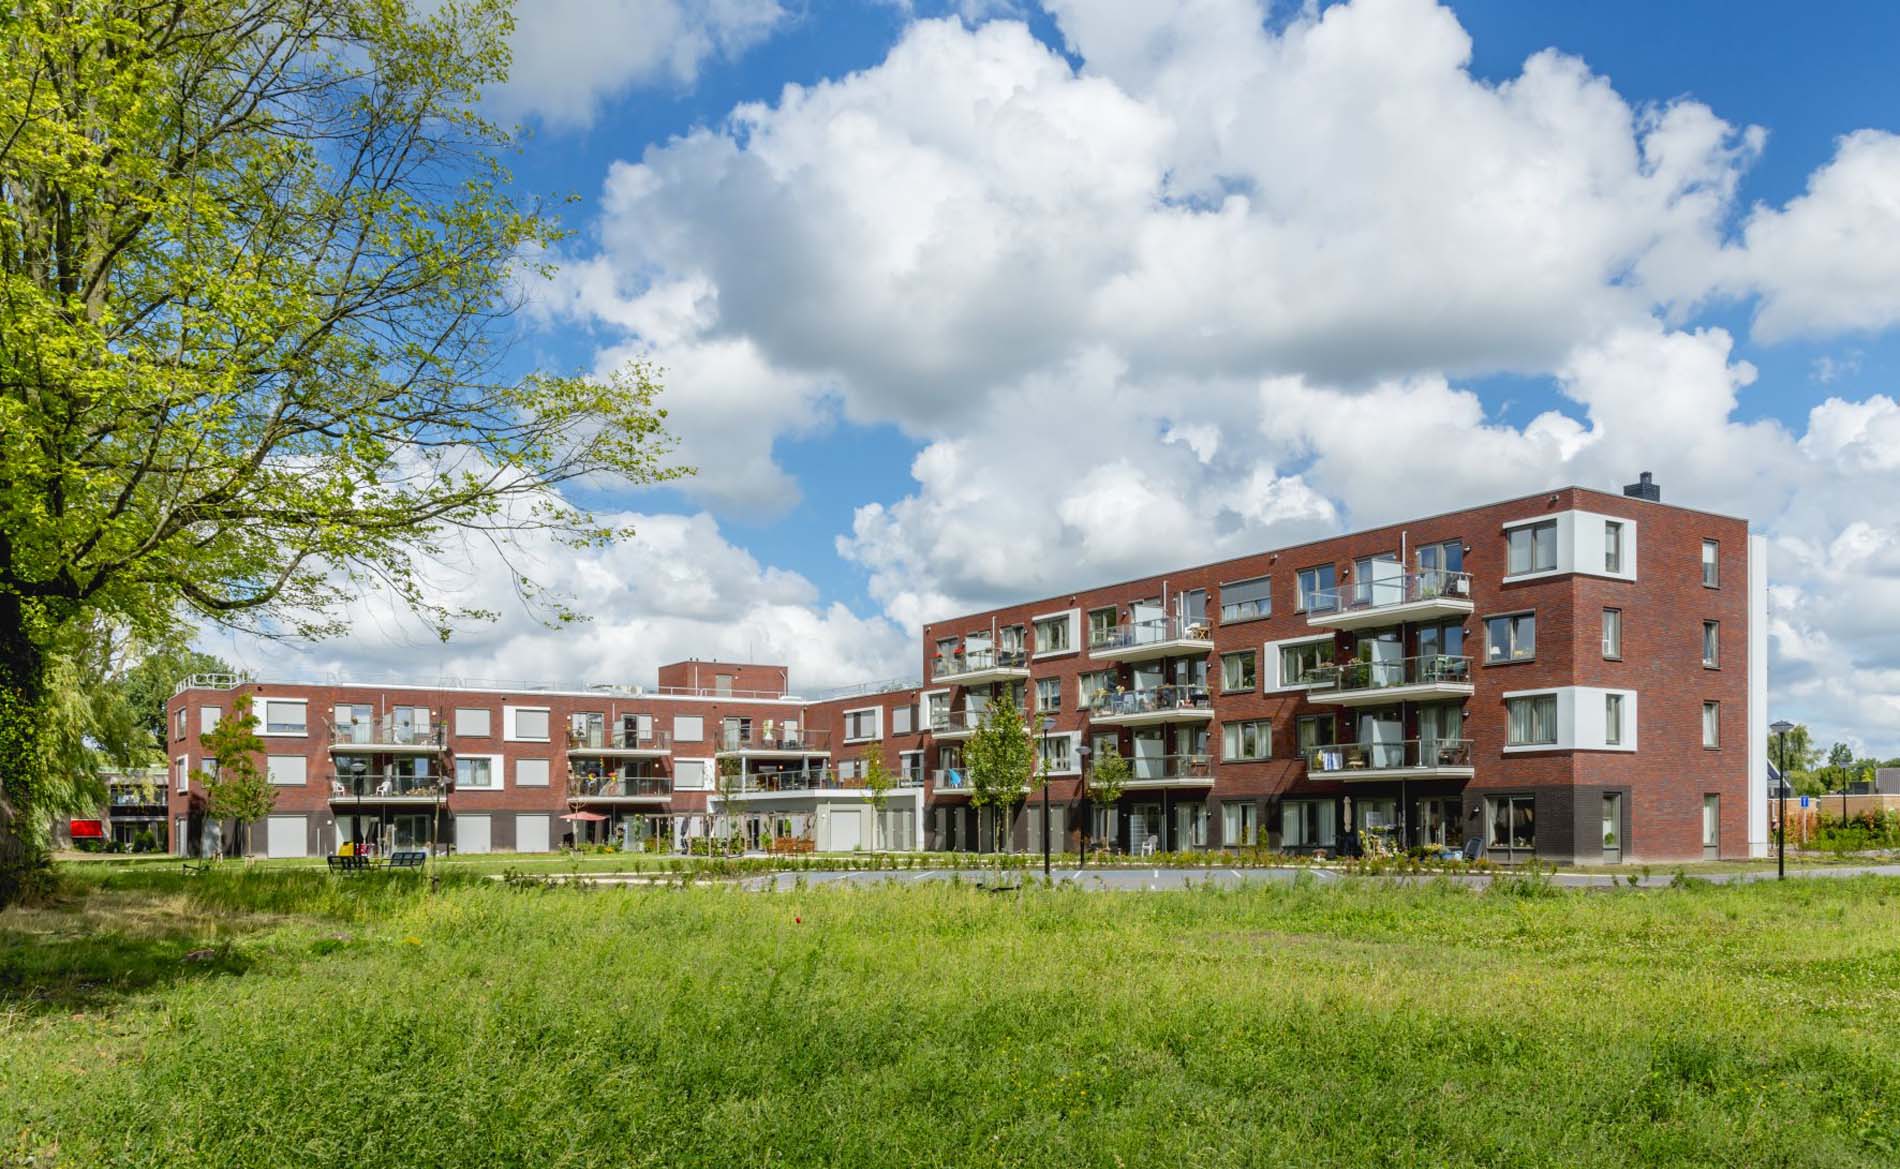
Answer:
(1614, 532)
(1300, 589)
(1070, 622)
(510, 723)
(849, 717)
(1531, 531)
(1513, 617)
(1556, 731)
(1239, 727)
(1263, 604)
(1710, 707)
(1612, 617)
(261, 703)
(1252, 671)
(1613, 705)
(547, 772)
(496, 779)
(1711, 645)
(1711, 564)
(1054, 685)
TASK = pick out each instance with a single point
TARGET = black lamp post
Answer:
(1781, 730)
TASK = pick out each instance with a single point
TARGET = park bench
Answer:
(348, 864)
(407, 860)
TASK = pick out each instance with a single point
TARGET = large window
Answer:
(1057, 751)
(1308, 823)
(285, 769)
(861, 724)
(1048, 695)
(1299, 662)
(471, 722)
(1712, 644)
(1239, 824)
(903, 719)
(1711, 557)
(1316, 588)
(1613, 719)
(1612, 633)
(1087, 686)
(1532, 720)
(1532, 548)
(531, 773)
(284, 718)
(1052, 635)
(1190, 824)
(1237, 671)
(525, 724)
(1612, 546)
(1513, 822)
(1102, 623)
(475, 771)
(1244, 600)
(1252, 739)
(1314, 731)
(1711, 724)
(1511, 638)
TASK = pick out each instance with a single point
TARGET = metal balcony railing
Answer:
(794, 779)
(1380, 675)
(1399, 589)
(133, 798)
(954, 721)
(386, 785)
(950, 778)
(1413, 754)
(1152, 768)
(973, 661)
(764, 737)
(1151, 631)
(620, 738)
(617, 786)
(1114, 704)
(393, 732)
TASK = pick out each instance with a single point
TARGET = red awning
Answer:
(583, 816)
(88, 829)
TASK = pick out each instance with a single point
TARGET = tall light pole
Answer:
(1781, 730)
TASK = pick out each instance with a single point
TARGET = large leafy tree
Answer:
(257, 260)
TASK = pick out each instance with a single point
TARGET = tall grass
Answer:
(376, 1023)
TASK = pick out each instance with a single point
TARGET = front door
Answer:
(1144, 828)
(1613, 828)
(1711, 827)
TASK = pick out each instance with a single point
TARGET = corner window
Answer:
(1511, 638)
(1612, 546)
(1052, 635)
(1532, 548)
(1299, 662)
(1532, 721)
(1711, 570)
(1245, 600)
(1711, 645)
(1612, 633)
(1712, 724)
(1237, 671)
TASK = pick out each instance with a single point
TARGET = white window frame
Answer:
(181, 774)
(508, 715)
(1270, 660)
(703, 781)
(1054, 684)
(904, 763)
(1072, 618)
(494, 771)
(547, 772)
(1622, 537)
(260, 703)
(1581, 719)
(877, 724)
(1075, 752)
(1556, 721)
(210, 716)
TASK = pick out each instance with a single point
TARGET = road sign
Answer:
(1804, 801)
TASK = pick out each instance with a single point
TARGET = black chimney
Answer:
(1644, 488)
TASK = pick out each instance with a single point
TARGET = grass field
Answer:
(276, 1017)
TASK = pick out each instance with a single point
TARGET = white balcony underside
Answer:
(387, 748)
(1147, 718)
(954, 733)
(1385, 695)
(421, 801)
(1357, 774)
(1374, 616)
(1150, 650)
(658, 798)
(621, 752)
(771, 753)
(1169, 781)
(982, 677)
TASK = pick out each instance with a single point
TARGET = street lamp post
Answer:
(1048, 725)
(1781, 730)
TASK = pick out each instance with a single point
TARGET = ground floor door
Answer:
(284, 837)
(847, 830)
(1144, 829)
(531, 833)
(1613, 828)
(1511, 828)
(1436, 822)
(1711, 827)
(181, 835)
(472, 834)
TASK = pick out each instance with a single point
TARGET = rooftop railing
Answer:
(1421, 754)
(1115, 704)
(1398, 589)
(1380, 675)
(618, 738)
(1151, 631)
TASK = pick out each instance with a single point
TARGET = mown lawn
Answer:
(286, 1018)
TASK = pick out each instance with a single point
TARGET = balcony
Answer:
(979, 667)
(619, 743)
(384, 787)
(1162, 704)
(1411, 759)
(1156, 637)
(134, 798)
(387, 736)
(773, 742)
(1153, 771)
(1433, 676)
(955, 724)
(789, 782)
(608, 789)
(950, 781)
(1411, 596)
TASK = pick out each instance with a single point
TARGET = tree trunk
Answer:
(22, 695)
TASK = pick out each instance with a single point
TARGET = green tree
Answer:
(147, 684)
(1000, 757)
(258, 260)
(235, 789)
(1107, 779)
(878, 782)
(730, 782)
(1802, 756)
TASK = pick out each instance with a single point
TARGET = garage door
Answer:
(845, 830)
(471, 834)
(284, 836)
(531, 834)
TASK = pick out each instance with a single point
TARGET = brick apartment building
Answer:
(1571, 675)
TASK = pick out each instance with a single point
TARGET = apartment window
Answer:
(1711, 556)
(1104, 743)
(531, 773)
(1612, 633)
(472, 722)
(1510, 638)
(1009, 643)
(208, 717)
(474, 772)
(282, 717)
(1317, 587)
(1612, 546)
(1102, 623)
(1048, 695)
(688, 728)
(1245, 600)
(1052, 635)
(1711, 724)
(1087, 686)
(1238, 671)
(181, 772)
(1299, 662)
(1239, 824)
(1613, 719)
(1437, 560)
(1711, 644)
(860, 725)
(1532, 548)
(1056, 752)
(525, 724)
(903, 719)
(1314, 731)
(1308, 823)
(1252, 739)
(178, 724)
(286, 770)
(1190, 825)
(1513, 821)
(1532, 721)
(910, 764)
(722, 684)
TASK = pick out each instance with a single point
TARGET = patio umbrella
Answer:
(583, 816)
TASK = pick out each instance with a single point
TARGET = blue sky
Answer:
(1005, 298)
